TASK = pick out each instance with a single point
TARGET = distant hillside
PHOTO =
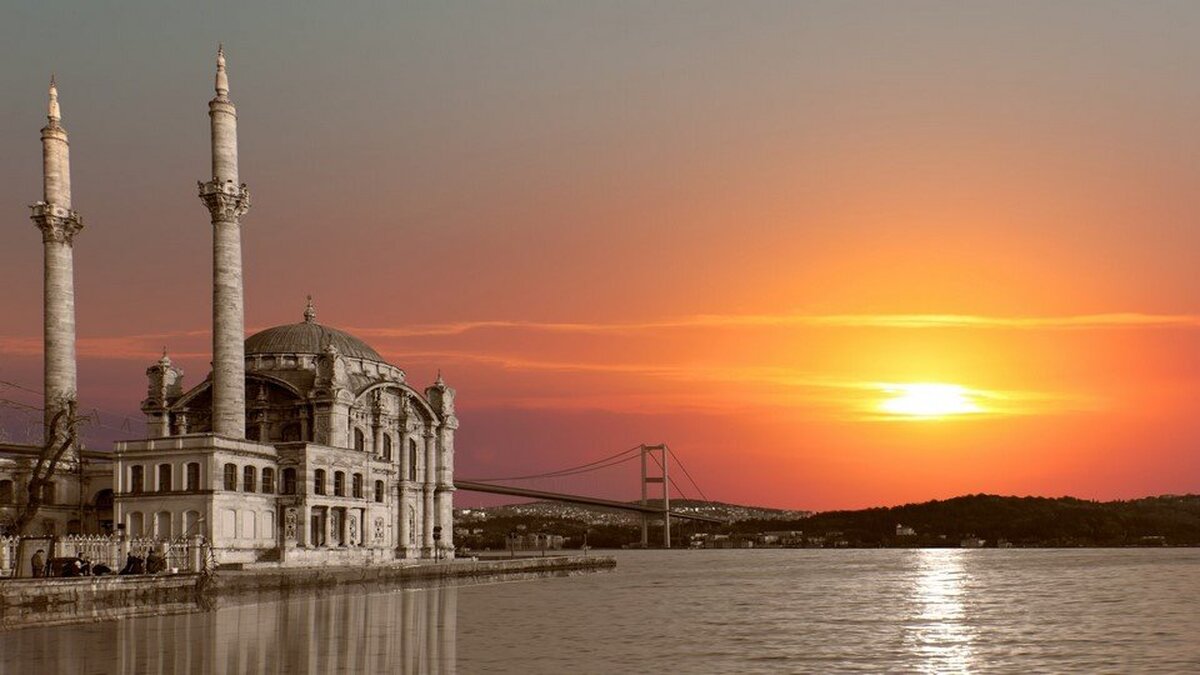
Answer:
(1032, 521)
(1021, 521)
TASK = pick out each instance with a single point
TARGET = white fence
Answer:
(189, 554)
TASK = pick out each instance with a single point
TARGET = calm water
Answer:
(1088, 611)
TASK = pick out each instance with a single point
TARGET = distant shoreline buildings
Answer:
(302, 446)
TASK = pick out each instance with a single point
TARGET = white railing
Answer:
(190, 554)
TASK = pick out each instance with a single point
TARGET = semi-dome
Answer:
(308, 337)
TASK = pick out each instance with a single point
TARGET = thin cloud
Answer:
(915, 321)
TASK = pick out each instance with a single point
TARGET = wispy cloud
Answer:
(916, 321)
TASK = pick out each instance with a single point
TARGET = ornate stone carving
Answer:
(289, 525)
(352, 525)
(225, 201)
(57, 224)
(379, 525)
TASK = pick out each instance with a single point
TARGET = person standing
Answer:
(39, 563)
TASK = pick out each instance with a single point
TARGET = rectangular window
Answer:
(268, 481)
(137, 479)
(358, 486)
(248, 475)
(339, 484)
(289, 481)
(319, 481)
(193, 476)
(379, 491)
(164, 477)
(231, 477)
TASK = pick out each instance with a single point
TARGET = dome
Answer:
(308, 338)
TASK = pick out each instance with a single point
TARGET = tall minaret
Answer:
(227, 200)
(59, 224)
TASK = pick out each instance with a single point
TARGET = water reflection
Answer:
(937, 631)
(401, 631)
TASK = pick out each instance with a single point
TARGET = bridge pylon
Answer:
(662, 479)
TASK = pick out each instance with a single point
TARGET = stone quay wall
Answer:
(42, 602)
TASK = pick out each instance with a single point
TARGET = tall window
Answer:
(231, 476)
(360, 441)
(379, 491)
(357, 486)
(339, 484)
(387, 448)
(319, 481)
(6, 492)
(289, 481)
(268, 481)
(164, 477)
(248, 475)
(48, 494)
(193, 476)
(137, 479)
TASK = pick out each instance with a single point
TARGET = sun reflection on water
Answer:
(937, 631)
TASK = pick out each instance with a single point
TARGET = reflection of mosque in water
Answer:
(364, 631)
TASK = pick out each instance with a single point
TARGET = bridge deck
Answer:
(492, 488)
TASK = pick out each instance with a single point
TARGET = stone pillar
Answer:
(59, 224)
(402, 510)
(445, 484)
(428, 515)
(227, 201)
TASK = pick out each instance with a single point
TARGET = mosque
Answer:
(302, 446)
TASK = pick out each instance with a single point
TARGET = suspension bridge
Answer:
(656, 484)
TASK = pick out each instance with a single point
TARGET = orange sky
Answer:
(722, 227)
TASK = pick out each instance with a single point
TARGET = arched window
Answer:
(360, 441)
(339, 484)
(319, 481)
(137, 479)
(268, 481)
(193, 476)
(379, 491)
(357, 486)
(6, 492)
(412, 459)
(48, 493)
(104, 499)
(248, 475)
(162, 525)
(164, 477)
(191, 522)
(289, 481)
(231, 477)
(136, 524)
(387, 448)
(291, 433)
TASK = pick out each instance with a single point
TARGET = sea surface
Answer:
(776, 611)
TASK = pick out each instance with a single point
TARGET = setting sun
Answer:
(929, 400)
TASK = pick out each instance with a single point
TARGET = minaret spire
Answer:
(222, 83)
(59, 225)
(53, 113)
(227, 201)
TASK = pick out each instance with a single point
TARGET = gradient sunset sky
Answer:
(739, 228)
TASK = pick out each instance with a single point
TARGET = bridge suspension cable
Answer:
(603, 463)
(687, 473)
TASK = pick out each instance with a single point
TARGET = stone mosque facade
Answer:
(303, 446)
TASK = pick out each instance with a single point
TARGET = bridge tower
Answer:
(660, 479)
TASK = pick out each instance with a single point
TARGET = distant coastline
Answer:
(972, 521)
